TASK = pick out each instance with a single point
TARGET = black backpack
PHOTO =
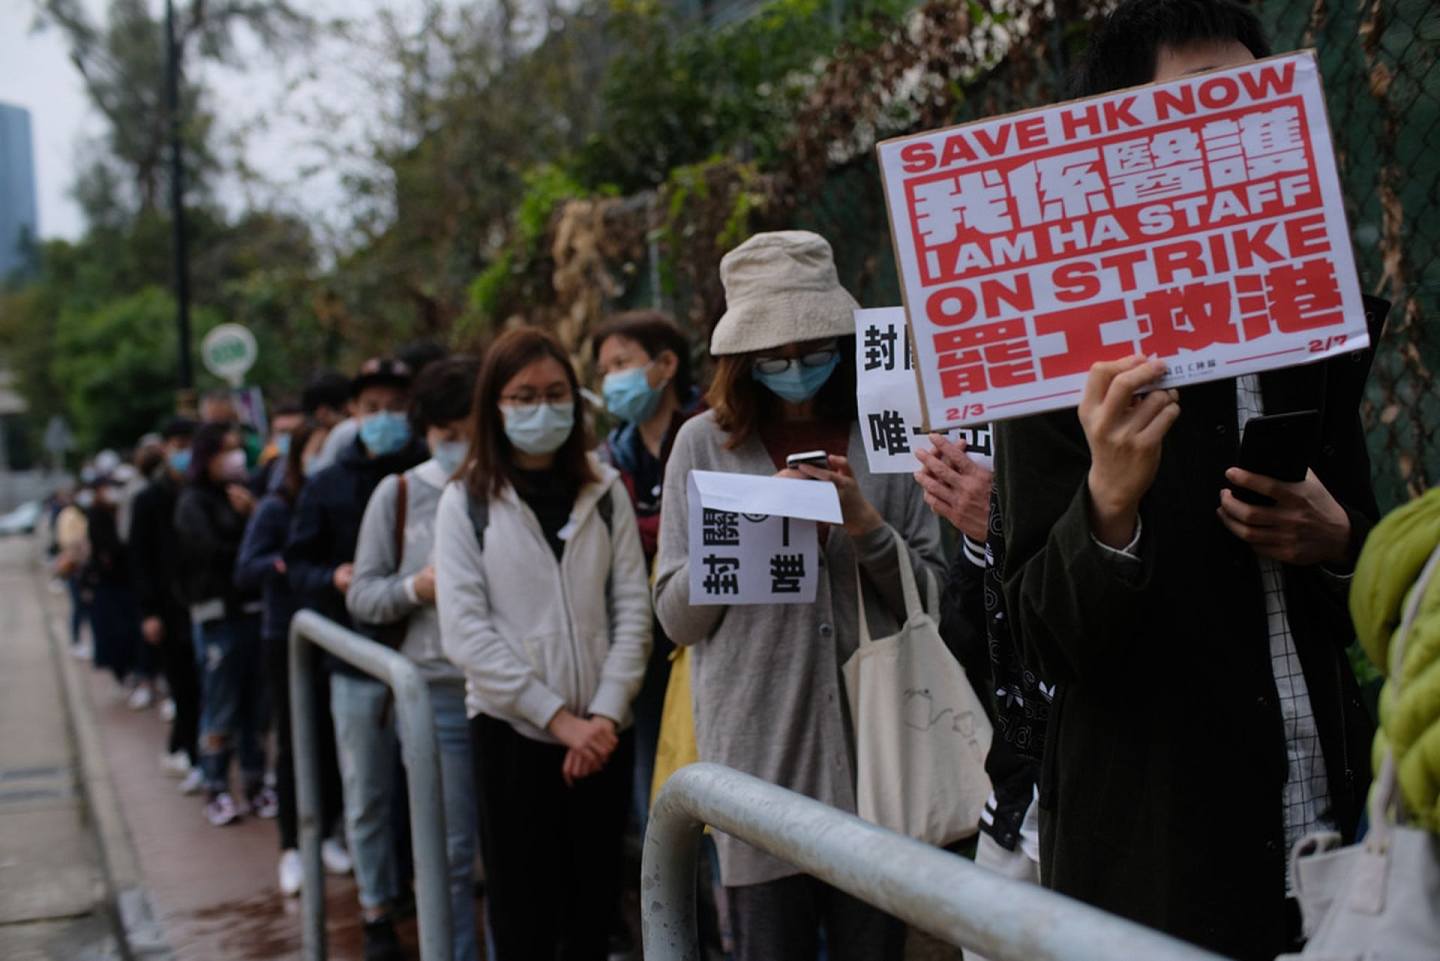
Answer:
(479, 510)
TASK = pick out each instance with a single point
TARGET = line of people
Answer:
(1164, 664)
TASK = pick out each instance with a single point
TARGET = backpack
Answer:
(479, 510)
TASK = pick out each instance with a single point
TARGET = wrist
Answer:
(1112, 518)
(869, 520)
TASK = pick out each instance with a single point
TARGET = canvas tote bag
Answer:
(1378, 900)
(921, 734)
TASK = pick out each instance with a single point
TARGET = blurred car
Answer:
(22, 520)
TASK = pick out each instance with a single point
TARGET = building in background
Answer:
(19, 223)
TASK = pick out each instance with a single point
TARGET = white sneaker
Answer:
(194, 782)
(167, 710)
(336, 858)
(292, 873)
(142, 697)
(177, 764)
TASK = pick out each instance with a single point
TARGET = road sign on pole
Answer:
(229, 351)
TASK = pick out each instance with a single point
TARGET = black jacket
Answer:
(1165, 757)
(326, 524)
(155, 568)
(210, 531)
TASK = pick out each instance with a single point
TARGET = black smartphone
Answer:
(1279, 446)
(815, 458)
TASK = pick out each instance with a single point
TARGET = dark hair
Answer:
(741, 402)
(419, 354)
(294, 465)
(1126, 45)
(209, 441)
(178, 427)
(328, 389)
(656, 333)
(491, 454)
(286, 408)
(444, 392)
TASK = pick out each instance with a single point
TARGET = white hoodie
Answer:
(533, 634)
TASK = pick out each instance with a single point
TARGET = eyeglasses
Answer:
(531, 398)
(778, 365)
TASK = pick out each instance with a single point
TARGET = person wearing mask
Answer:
(210, 516)
(393, 590)
(416, 357)
(114, 619)
(284, 422)
(325, 403)
(543, 604)
(767, 685)
(260, 566)
(643, 361)
(1206, 715)
(319, 562)
(157, 573)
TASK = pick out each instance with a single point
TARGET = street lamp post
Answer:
(177, 209)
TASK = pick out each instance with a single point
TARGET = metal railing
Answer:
(939, 893)
(416, 730)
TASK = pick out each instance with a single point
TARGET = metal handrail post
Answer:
(944, 895)
(421, 753)
(305, 750)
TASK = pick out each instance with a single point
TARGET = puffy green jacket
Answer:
(1385, 578)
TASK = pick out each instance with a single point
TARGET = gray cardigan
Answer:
(768, 695)
(380, 594)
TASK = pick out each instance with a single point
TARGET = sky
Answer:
(275, 104)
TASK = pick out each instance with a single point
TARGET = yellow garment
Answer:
(1385, 579)
(677, 746)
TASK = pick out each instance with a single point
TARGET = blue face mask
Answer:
(282, 445)
(629, 396)
(540, 429)
(180, 461)
(450, 454)
(384, 432)
(798, 383)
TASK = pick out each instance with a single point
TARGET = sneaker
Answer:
(264, 803)
(292, 873)
(381, 944)
(194, 782)
(221, 810)
(336, 858)
(141, 698)
(176, 764)
(167, 710)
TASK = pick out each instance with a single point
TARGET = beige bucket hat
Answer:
(780, 288)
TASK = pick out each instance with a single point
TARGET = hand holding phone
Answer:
(1279, 446)
(815, 458)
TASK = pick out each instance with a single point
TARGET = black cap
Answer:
(178, 427)
(381, 371)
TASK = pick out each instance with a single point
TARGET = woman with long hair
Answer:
(768, 699)
(543, 604)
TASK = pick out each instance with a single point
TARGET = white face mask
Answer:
(232, 465)
(539, 428)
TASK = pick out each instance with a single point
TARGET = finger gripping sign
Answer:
(1198, 220)
(892, 422)
(753, 540)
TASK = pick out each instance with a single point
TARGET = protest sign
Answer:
(1198, 220)
(753, 540)
(891, 419)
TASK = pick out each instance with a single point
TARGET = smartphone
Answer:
(1279, 446)
(815, 458)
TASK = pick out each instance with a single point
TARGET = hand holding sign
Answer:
(1124, 432)
(956, 487)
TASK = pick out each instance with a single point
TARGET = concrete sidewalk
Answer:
(100, 856)
(53, 898)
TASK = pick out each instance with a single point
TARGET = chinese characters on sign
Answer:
(1199, 220)
(742, 551)
(891, 419)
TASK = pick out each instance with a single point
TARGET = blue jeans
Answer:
(232, 710)
(367, 750)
